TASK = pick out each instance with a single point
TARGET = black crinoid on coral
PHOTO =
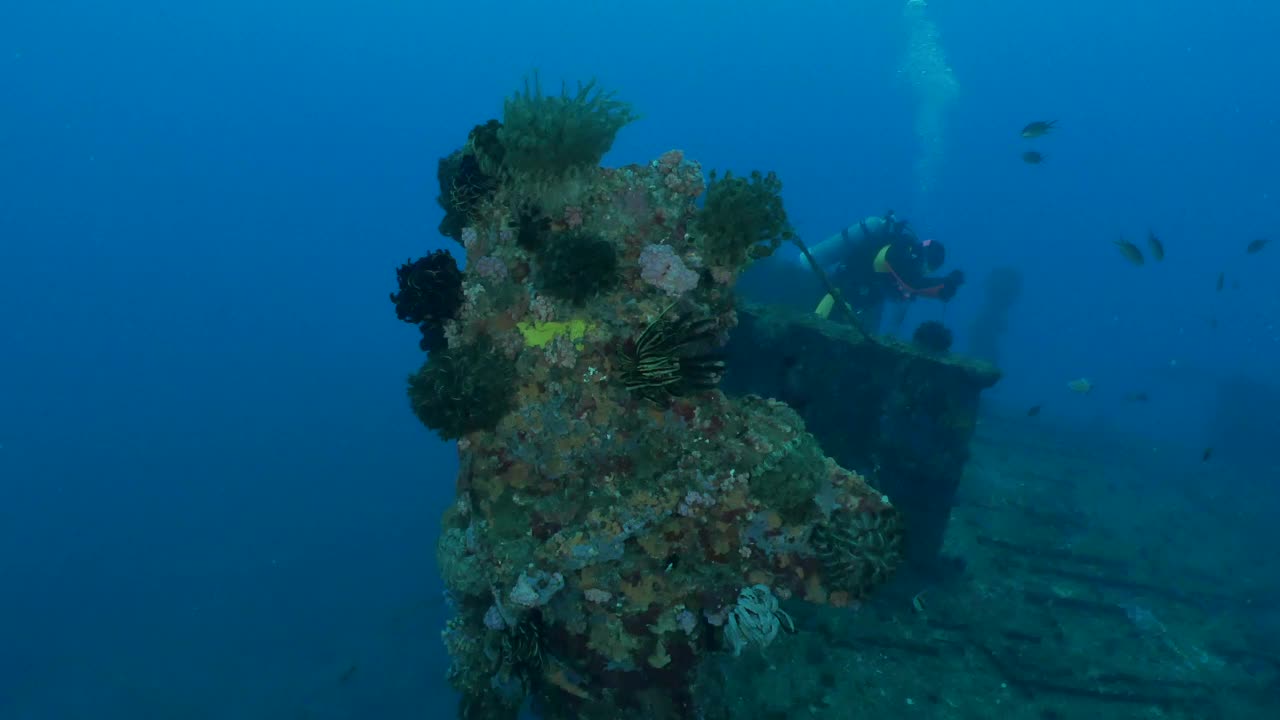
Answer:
(932, 337)
(430, 293)
(532, 228)
(743, 219)
(577, 266)
(673, 356)
(468, 177)
(483, 142)
(463, 389)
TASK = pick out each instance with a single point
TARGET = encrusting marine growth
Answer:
(617, 518)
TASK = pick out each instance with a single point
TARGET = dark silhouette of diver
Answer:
(881, 259)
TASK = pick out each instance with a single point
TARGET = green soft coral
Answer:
(743, 218)
(464, 389)
(547, 136)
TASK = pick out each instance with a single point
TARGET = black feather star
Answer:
(666, 360)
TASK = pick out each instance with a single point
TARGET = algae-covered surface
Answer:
(618, 517)
(672, 504)
(1103, 578)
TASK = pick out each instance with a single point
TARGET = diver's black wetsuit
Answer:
(888, 265)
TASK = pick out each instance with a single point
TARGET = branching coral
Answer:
(547, 136)
(743, 218)
(430, 293)
(463, 389)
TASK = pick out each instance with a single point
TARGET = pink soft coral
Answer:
(662, 268)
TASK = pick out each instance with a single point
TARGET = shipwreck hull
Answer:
(901, 417)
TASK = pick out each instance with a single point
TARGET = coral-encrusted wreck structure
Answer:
(618, 518)
(899, 412)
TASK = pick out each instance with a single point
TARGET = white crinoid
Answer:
(756, 619)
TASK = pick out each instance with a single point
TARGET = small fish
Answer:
(1034, 411)
(1082, 386)
(1129, 251)
(1213, 323)
(1031, 157)
(1157, 247)
(1039, 128)
(1222, 280)
(1235, 284)
(347, 674)
(1137, 397)
(918, 603)
(1208, 453)
(1256, 245)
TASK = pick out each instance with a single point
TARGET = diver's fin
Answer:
(824, 307)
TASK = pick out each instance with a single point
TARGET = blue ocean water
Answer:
(214, 501)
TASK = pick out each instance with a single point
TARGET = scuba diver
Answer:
(881, 259)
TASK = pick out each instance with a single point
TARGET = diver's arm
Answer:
(941, 288)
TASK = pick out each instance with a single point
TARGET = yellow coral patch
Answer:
(539, 334)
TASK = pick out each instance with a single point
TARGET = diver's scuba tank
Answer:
(830, 253)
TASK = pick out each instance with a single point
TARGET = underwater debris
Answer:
(661, 361)
(1038, 128)
(755, 619)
